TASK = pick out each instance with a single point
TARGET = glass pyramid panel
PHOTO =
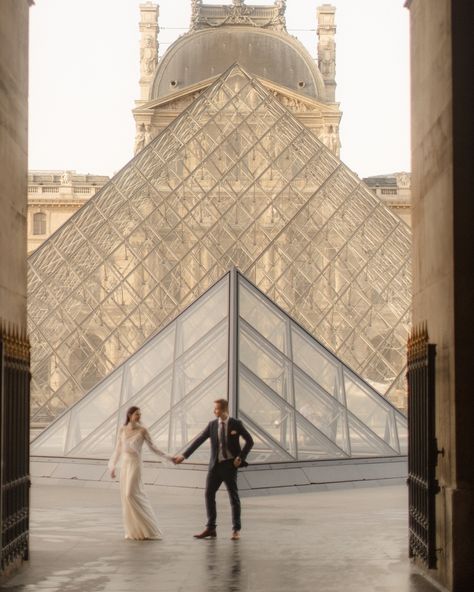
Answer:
(93, 410)
(155, 398)
(364, 442)
(267, 321)
(316, 362)
(268, 365)
(370, 409)
(314, 444)
(402, 431)
(235, 180)
(195, 365)
(53, 440)
(149, 363)
(268, 411)
(308, 402)
(101, 442)
(265, 449)
(174, 382)
(192, 414)
(321, 410)
(282, 397)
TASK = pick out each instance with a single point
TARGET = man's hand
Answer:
(237, 462)
(178, 459)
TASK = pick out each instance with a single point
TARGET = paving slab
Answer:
(340, 540)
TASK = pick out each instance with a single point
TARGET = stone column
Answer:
(327, 48)
(14, 15)
(149, 29)
(442, 63)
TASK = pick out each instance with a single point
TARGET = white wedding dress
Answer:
(138, 517)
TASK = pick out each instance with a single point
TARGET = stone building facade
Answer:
(53, 197)
(395, 191)
(256, 38)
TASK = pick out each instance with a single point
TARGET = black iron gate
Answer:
(14, 445)
(422, 448)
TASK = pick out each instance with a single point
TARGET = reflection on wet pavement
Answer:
(352, 540)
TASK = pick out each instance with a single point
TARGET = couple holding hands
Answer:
(226, 457)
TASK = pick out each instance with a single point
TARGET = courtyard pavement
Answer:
(351, 540)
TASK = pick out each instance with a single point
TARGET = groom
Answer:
(226, 458)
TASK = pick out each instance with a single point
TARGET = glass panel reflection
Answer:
(317, 363)
(265, 363)
(322, 411)
(268, 412)
(93, 410)
(371, 409)
(262, 318)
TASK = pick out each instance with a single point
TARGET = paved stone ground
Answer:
(350, 540)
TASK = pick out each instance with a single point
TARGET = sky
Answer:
(84, 71)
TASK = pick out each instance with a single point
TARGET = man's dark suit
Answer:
(223, 471)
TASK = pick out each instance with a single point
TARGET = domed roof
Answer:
(267, 54)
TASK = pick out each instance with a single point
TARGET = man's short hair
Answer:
(223, 403)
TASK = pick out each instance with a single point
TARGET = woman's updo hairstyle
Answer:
(130, 412)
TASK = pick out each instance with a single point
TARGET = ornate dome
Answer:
(267, 54)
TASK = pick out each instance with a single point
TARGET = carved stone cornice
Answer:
(296, 102)
(238, 13)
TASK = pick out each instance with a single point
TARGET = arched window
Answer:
(39, 223)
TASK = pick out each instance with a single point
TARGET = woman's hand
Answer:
(112, 473)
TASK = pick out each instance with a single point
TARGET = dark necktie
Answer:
(223, 440)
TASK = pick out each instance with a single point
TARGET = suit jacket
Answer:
(235, 430)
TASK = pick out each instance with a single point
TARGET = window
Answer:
(39, 223)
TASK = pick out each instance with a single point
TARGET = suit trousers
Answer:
(222, 472)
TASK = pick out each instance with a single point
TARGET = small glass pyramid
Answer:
(299, 401)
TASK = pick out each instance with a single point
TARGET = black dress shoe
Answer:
(206, 533)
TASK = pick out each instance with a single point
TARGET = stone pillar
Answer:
(327, 48)
(442, 63)
(14, 15)
(14, 354)
(149, 29)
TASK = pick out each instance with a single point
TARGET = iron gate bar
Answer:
(422, 447)
(14, 445)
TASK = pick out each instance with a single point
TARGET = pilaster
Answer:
(326, 15)
(149, 30)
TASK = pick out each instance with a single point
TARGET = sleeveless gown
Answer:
(138, 517)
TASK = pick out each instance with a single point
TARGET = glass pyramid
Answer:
(297, 399)
(235, 180)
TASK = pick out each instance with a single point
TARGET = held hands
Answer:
(178, 459)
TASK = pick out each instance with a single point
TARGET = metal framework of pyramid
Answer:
(235, 180)
(296, 398)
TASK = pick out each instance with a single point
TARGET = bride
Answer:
(138, 517)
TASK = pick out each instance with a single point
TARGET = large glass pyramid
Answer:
(234, 180)
(296, 398)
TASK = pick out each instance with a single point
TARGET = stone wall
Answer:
(442, 221)
(13, 158)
